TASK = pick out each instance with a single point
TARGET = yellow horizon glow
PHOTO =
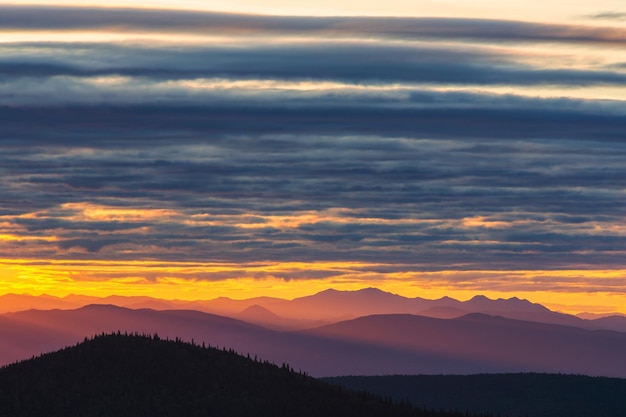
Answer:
(180, 281)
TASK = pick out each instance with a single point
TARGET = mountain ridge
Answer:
(370, 345)
(331, 305)
(148, 376)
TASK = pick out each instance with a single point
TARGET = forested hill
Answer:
(130, 375)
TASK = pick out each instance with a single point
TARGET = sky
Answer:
(196, 149)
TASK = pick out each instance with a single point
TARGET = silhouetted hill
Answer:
(614, 322)
(495, 344)
(257, 312)
(120, 375)
(32, 332)
(532, 395)
(262, 316)
(19, 302)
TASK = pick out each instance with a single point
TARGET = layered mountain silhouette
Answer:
(370, 345)
(132, 375)
(257, 314)
(498, 344)
(328, 307)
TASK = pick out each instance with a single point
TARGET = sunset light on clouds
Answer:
(188, 150)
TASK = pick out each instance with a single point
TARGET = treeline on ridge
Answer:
(120, 375)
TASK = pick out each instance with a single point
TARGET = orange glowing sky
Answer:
(185, 150)
(179, 281)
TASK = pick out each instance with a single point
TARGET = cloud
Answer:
(220, 24)
(90, 245)
(102, 68)
(461, 202)
(477, 118)
(271, 150)
(609, 16)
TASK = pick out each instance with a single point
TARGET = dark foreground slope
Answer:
(120, 375)
(532, 395)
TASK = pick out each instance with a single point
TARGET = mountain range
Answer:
(327, 307)
(368, 345)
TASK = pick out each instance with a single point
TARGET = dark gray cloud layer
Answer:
(125, 152)
(537, 184)
(348, 62)
(482, 120)
(208, 23)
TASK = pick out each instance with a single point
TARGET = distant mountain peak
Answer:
(372, 290)
(222, 299)
(258, 311)
(102, 306)
(366, 290)
(506, 307)
(480, 297)
(330, 291)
